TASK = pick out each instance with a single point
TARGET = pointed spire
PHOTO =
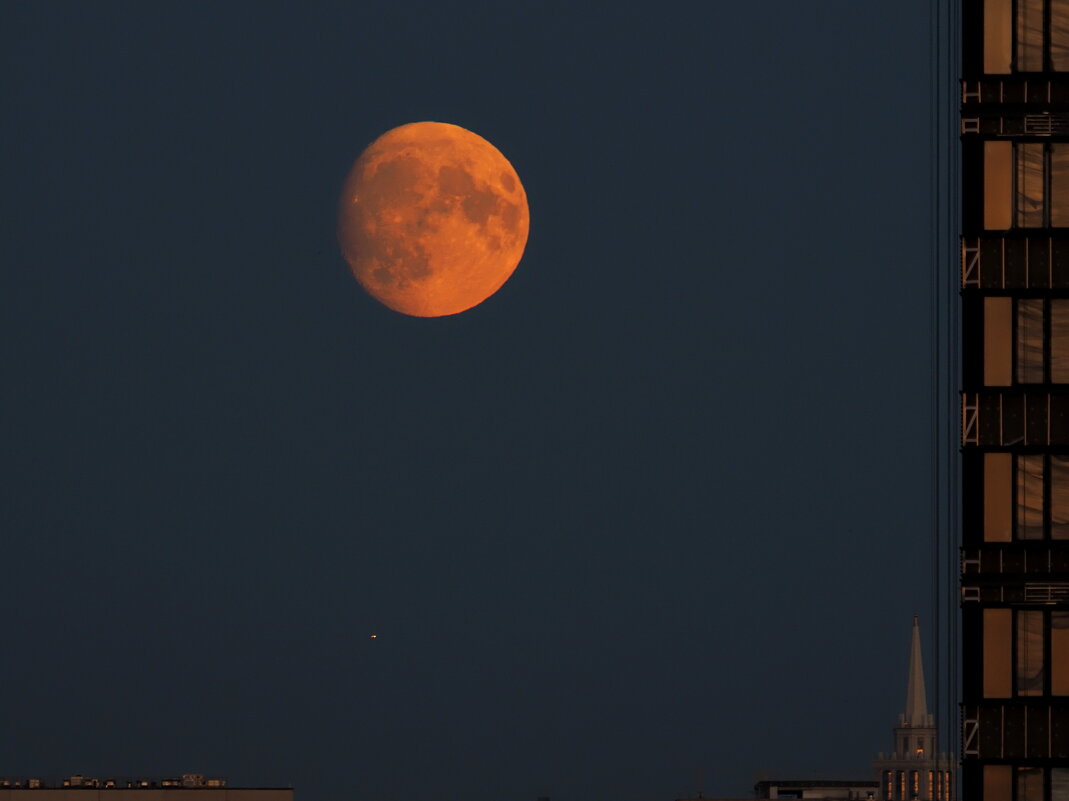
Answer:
(916, 698)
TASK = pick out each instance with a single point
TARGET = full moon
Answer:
(432, 219)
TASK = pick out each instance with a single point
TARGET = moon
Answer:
(432, 219)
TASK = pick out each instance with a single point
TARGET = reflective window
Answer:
(998, 185)
(1030, 35)
(998, 497)
(1029, 784)
(1059, 35)
(1030, 166)
(1026, 185)
(997, 651)
(1059, 497)
(1059, 784)
(1059, 654)
(998, 342)
(1059, 182)
(1036, 643)
(1026, 341)
(1030, 491)
(1031, 661)
(998, 783)
(1059, 341)
(1026, 36)
(1031, 361)
(1041, 497)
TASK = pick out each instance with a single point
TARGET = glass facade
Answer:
(1026, 185)
(1015, 383)
(1025, 36)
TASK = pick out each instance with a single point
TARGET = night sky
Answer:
(653, 519)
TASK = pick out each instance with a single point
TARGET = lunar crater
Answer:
(441, 221)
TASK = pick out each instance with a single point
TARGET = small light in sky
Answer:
(374, 636)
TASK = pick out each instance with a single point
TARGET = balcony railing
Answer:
(1020, 728)
(1013, 90)
(988, 125)
(1014, 262)
(1013, 418)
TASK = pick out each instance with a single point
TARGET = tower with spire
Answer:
(914, 770)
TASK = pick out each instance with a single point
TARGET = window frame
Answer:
(1003, 174)
(1047, 490)
(1018, 645)
(997, 13)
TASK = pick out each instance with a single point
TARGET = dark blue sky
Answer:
(652, 519)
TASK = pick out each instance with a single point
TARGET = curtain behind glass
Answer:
(1030, 497)
(1059, 784)
(1030, 341)
(1059, 185)
(1059, 497)
(1029, 784)
(1059, 654)
(1059, 34)
(1030, 667)
(1030, 185)
(1029, 35)
(1059, 341)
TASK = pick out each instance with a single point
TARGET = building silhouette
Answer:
(912, 771)
(915, 769)
(1015, 400)
(188, 787)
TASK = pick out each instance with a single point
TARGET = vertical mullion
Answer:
(1015, 214)
(1047, 62)
(1046, 496)
(1046, 341)
(1014, 342)
(1013, 665)
(1013, 42)
(1048, 183)
(1047, 662)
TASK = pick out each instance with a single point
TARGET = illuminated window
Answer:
(1059, 784)
(1059, 654)
(1035, 642)
(1031, 361)
(997, 652)
(998, 497)
(1026, 341)
(998, 782)
(998, 185)
(1029, 784)
(1041, 489)
(1031, 474)
(1031, 657)
(998, 341)
(1041, 28)
(1026, 185)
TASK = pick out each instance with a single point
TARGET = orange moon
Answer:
(432, 219)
